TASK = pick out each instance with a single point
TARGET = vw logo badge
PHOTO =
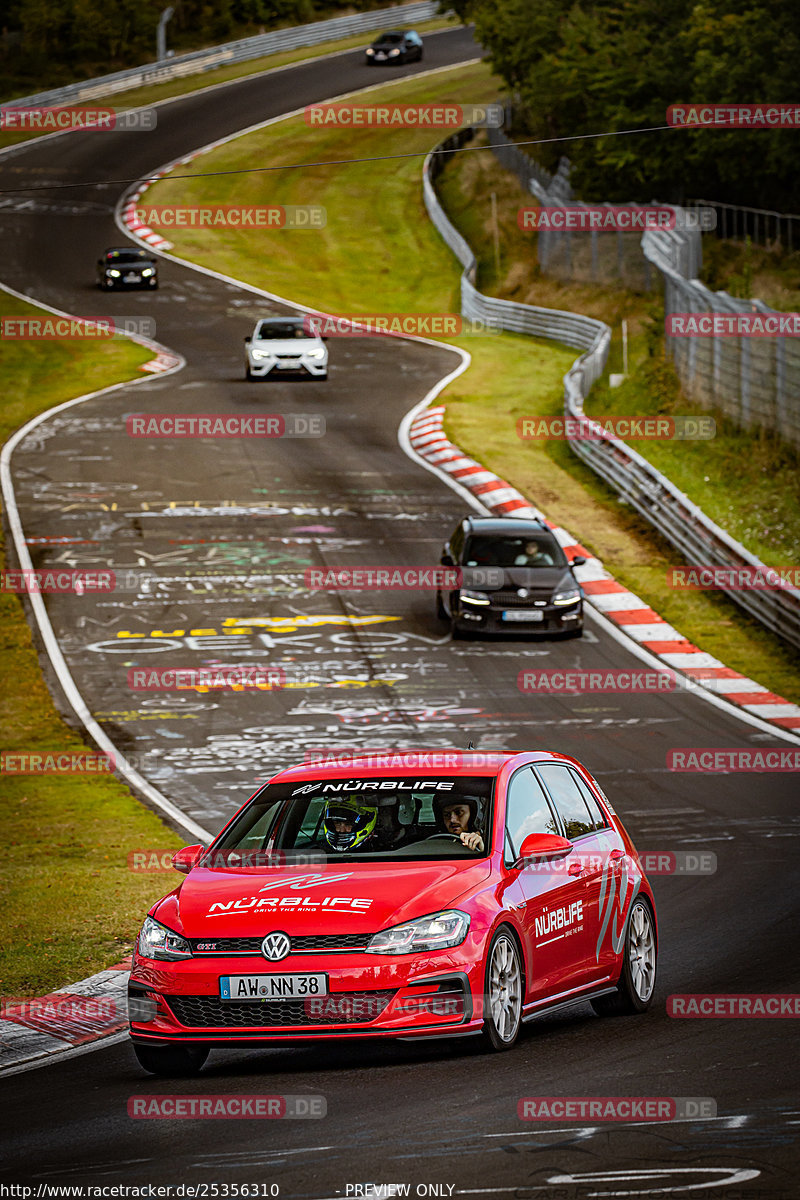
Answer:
(523, 593)
(276, 946)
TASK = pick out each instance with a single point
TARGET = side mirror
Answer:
(187, 857)
(247, 339)
(577, 561)
(447, 559)
(542, 847)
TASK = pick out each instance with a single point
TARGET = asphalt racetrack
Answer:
(226, 529)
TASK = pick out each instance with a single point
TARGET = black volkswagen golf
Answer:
(396, 46)
(514, 577)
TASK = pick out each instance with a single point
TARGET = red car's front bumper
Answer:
(401, 997)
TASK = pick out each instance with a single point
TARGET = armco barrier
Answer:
(232, 52)
(682, 523)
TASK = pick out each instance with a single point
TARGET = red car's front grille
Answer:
(312, 943)
(341, 1008)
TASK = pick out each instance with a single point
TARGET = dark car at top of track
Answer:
(514, 577)
(126, 267)
(405, 895)
(396, 46)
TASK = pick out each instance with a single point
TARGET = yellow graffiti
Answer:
(234, 625)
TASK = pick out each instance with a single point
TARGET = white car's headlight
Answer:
(569, 597)
(115, 274)
(315, 353)
(262, 353)
(436, 932)
(393, 53)
(156, 941)
(474, 597)
(148, 271)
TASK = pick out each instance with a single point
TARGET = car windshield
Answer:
(336, 820)
(127, 255)
(537, 550)
(288, 331)
(391, 38)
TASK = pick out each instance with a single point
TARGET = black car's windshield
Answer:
(536, 550)
(391, 38)
(127, 256)
(269, 330)
(336, 820)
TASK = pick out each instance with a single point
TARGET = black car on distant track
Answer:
(514, 577)
(126, 267)
(396, 46)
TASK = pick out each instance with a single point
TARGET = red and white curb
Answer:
(83, 1012)
(627, 611)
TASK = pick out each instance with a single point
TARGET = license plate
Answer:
(381, 56)
(522, 614)
(272, 987)
(290, 364)
(131, 279)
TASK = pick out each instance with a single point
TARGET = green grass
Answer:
(140, 96)
(71, 906)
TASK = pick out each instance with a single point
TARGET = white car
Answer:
(285, 344)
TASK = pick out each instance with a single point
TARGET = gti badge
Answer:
(276, 946)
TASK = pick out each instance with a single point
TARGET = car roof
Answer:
(507, 525)
(423, 762)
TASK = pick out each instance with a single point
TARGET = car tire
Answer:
(248, 374)
(572, 633)
(420, 57)
(171, 1061)
(503, 984)
(638, 979)
(441, 611)
(323, 378)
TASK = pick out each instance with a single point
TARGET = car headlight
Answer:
(393, 53)
(114, 273)
(474, 597)
(315, 354)
(435, 932)
(148, 271)
(261, 353)
(156, 941)
(370, 51)
(570, 597)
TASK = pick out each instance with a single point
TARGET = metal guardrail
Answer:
(636, 481)
(232, 52)
(763, 225)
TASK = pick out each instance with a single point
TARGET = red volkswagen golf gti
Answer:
(406, 895)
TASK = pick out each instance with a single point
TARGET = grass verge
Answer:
(71, 905)
(381, 208)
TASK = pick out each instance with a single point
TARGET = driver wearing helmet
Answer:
(458, 817)
(349, 824)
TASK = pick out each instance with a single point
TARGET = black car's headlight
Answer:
(370, 51)
(113, 273)
(569, 597)
(436, 932)
(470, 597)
(148, 271)
(393, 53)
(156, 941)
